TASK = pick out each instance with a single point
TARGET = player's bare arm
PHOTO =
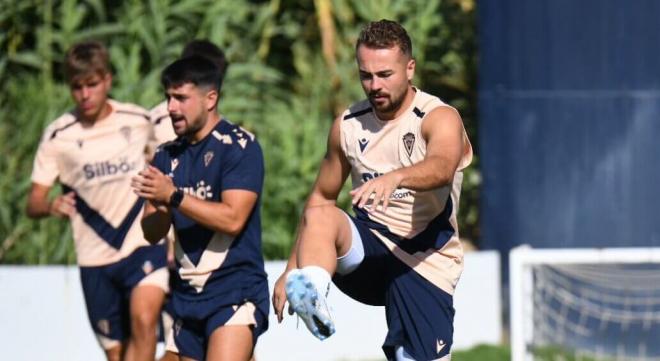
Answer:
(333, 171)
(228, 216)
(39, 206)
(442, 130)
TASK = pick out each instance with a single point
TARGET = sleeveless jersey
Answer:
(374, 147)
(211, 263)
(97, 162)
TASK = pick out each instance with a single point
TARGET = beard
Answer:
(392, 104)
(188, 128)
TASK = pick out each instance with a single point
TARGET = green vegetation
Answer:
(483, 353)
(292, 71)
(503, 353)
(559, 353)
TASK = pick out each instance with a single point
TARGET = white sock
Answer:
(320, 278)
(402, 355)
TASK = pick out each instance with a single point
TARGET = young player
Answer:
(93, 152)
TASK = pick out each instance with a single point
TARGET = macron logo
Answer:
(363, 144)
(440, 344)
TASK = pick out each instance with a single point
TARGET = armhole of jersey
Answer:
(343, 142)
(421, 122)
(466, 158)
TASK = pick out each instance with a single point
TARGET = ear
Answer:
(211, 99)
(410, 69)
(107, 79)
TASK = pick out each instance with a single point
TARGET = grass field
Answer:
(483, 353)
(503, 353)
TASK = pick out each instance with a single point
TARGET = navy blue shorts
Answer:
(107, 290)
(420, 316)
(197, 319)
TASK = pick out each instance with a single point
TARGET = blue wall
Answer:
(569, 117)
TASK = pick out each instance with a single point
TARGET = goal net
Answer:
(585, 304)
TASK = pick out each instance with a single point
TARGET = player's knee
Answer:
(144, 323)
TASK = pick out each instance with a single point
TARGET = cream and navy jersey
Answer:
(374, 147)
(163, 130)
(211, 263)
(97, 162)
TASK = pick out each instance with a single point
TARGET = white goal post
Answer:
(598, 303)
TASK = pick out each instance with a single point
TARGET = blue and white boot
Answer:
(309, 304)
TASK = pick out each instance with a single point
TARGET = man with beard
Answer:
(160, 117)
(207, 184)
(405, 151)
(163, 132)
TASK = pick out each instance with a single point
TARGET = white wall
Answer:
(42, 317)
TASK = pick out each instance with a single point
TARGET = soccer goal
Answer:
(585, 304)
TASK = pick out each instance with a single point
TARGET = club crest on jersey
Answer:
(173, 164)
(363, 144)
(409, 142)
(126, 132)
(207, 158)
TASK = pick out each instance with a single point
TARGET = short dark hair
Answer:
(86, 57)
(207, 49)
(384, 34)
(196, 69)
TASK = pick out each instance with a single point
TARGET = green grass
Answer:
(503, 353)
(483, 353)
(557, 353)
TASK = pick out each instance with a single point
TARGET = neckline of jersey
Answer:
(206, 137)
(101, 121)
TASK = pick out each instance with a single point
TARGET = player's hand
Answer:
(279, 297)
(63, 206)
(378, 190)
(154, 186)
